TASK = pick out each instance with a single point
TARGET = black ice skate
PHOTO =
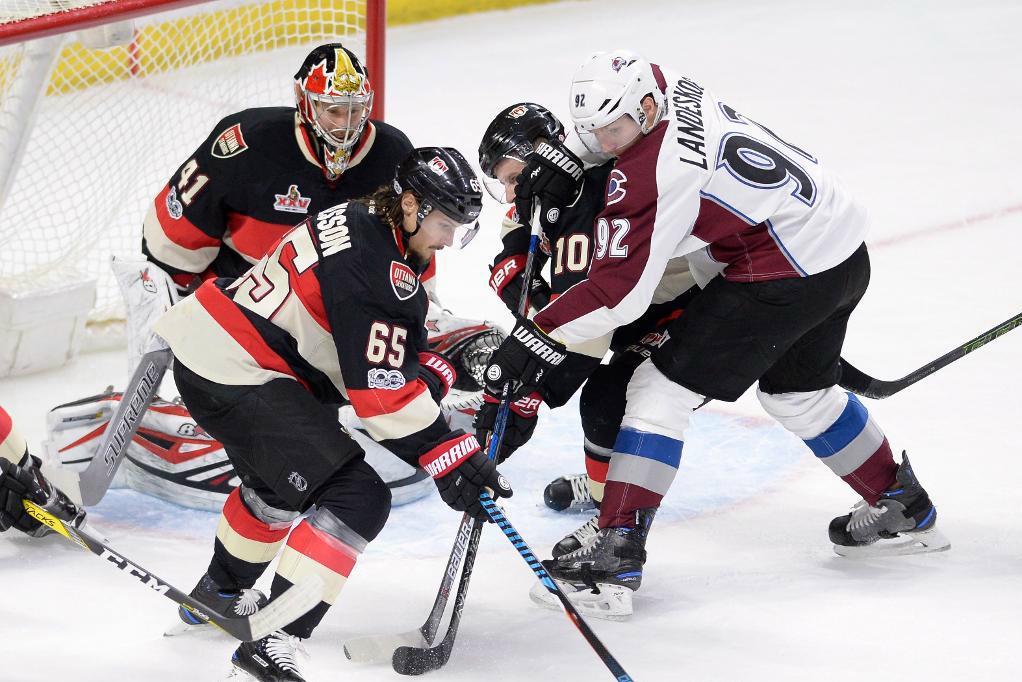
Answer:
(569, 493)
(270, 659)
(243, 603)
(578, 537)
(600, 577)
(902, 522)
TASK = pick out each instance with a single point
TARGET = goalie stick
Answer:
(88, 487)
(861, 383)
(294, 603)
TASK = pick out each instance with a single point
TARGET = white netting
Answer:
(113, 124)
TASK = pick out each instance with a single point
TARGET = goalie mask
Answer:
(512, 135)
(334, 99)
(441, 179)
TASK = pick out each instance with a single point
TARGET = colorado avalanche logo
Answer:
(620, 63)
(616, 187)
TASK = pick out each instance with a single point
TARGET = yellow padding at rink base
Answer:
(155, 48)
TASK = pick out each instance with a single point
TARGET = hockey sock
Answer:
(856, 449)
(641, 471)
(313, 550)
(597, 464)
(244, 546)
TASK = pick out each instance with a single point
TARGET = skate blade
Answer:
(924, 542)
(612, 603)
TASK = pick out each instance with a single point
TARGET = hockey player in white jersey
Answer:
(696, 178)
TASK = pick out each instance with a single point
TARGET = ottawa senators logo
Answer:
(229, 143)
(403, 280)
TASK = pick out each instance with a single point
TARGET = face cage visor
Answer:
(499, 187)
(463, 233)
(612, 137)
(339, 119)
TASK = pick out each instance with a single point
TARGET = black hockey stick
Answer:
(413, 660)
(498, 517)
(298, 600)
(377, 648)
(858, 382)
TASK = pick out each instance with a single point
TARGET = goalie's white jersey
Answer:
(715, 186)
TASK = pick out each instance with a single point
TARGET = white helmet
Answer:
(609, 85)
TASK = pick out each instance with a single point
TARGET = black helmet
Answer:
(441, 178)
(513, 131)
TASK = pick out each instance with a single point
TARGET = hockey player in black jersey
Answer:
(260, 172)
(334, 312)
(567, 215)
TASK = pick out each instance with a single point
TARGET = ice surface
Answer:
(915, 105)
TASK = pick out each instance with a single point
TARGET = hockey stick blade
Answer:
(862, 384)
(410, 660)
(94, 481)
(379, 648)
(497, 516)
(290, 606)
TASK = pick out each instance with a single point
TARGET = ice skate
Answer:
(902, 522)
(243, 603)
(578, 537)
(600, 577)
(270, 659)
(569, 493)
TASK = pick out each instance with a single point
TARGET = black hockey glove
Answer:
(25, 481)
(526, 358)
(461, 471)
(552, 175)
(506, 279)
(521, 422)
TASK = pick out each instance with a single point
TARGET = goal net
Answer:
(95, 117)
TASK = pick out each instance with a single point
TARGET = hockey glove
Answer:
(521, 422)
(526, 358)
(25, 481)
(438, 373)
(552, 175)
(506, 279)
(461, 471)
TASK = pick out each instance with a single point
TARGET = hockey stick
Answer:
(416, 660)
(377, 648)
(858, 382)
(498, 517)
(294, 603)
(88, 487)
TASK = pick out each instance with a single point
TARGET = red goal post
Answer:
(101, 100)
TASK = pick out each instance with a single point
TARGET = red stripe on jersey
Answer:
(234, 322)
(430, 271)
(242, 521)
(611, 279)
(750, 251)
(6, 425)
(181, 231)
(307, 288)
(373, 402)
(254, 238)
(324, 549)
